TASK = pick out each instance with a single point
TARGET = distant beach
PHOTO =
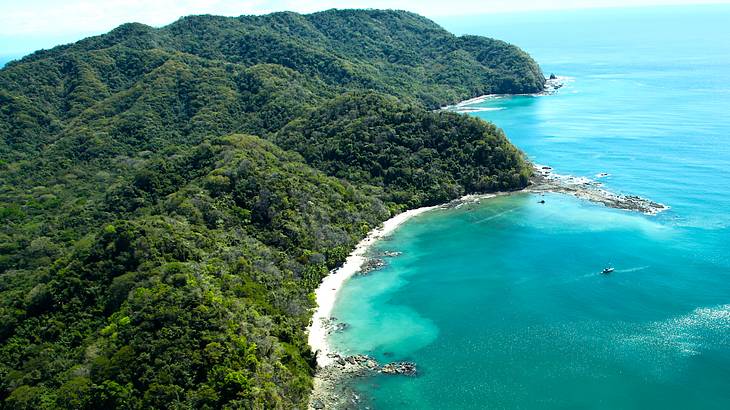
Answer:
(552, 85)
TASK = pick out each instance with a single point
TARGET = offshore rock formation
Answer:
(545, 180)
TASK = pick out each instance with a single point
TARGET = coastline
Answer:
(333, 370)
(552, 85)
(326, 293)
(546, 180)
(330, 388)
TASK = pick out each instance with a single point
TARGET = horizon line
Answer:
(72, 37)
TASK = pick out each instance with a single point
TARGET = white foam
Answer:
(628, 270)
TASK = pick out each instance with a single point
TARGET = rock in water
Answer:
(404, 368)
(370, 265)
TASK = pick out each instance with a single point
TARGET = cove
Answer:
(502, 304)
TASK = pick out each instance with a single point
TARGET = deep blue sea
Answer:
(502, 305)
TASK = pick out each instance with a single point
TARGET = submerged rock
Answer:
(339, 327)
(332, 325)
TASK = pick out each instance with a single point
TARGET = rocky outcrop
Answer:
(545, 180)
(376, 262)
(370, 265)
(361, 364)
(332, 390)
(552, 84)
(333, 325)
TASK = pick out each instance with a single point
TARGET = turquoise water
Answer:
(4, 60)
(501, 304)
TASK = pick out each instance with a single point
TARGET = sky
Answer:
(28, 25)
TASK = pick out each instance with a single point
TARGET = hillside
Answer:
(171, 197)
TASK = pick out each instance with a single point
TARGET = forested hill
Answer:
(170, 198)
(397, 52)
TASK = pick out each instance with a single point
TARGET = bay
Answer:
(502, 304)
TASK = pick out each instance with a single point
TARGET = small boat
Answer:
(606, 271)
(542, 201)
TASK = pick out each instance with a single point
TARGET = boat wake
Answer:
(495, 216)
(629, 270)
(598, 272)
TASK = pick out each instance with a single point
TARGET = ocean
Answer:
(502, 304)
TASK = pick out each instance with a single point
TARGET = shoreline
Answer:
(552, 85)
(326, 293)
(543, 181)
(333, 370)
(330, 388)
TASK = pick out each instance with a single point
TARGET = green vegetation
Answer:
(155, 253)
(402, 153)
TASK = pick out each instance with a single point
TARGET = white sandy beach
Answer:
(551, 86)
(327, 291)
(329, 375)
